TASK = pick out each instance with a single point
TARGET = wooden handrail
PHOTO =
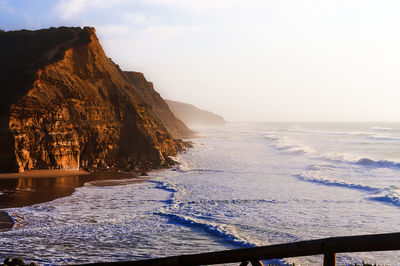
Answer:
(326, 246)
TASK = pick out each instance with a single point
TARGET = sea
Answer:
(241, 185)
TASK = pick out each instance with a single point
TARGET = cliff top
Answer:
(23, 52)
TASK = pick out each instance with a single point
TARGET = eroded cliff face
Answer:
(157, 106)
(72, 107)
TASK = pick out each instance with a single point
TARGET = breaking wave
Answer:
(284, 144)
(389, 195)
(334, 133)
(384, 137)
(336, 183)
(227, 232)
(377, 164)
(382, 128)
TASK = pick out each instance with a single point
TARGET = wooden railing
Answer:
(327, 246)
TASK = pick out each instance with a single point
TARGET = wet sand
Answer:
(33, 187)
(42, 174)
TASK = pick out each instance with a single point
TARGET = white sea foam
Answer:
(333, 133)
(314, 177)
(378, 163)
(182, 164)
(224, 192)
(227, 232)
(357, 160)
(384, 137)
(389, 195)
(286, 145)
(382, 128)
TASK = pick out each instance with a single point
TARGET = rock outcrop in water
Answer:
(65, 104)
(191, 115)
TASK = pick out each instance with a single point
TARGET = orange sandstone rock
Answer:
(65, 104)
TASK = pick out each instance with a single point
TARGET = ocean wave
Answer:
(334, 133)
(356, 160)
(272, 135)
(233, 201)
(184, 167)
(384, 137)
(320, 167)
(335, 182)
(382, 128)
(294, 148)
(284, 144)
(388, 196)
(164, 186)
(377, 164)
(227, 232)
(182, 164)
(337, 157)
(197, 170)
(175, 199)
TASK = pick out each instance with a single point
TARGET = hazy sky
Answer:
(253, 60)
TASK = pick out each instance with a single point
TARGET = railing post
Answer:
(329, 258)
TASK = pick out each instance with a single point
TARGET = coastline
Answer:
(39, 186)
(42, 174)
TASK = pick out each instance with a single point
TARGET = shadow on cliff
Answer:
(65, 104)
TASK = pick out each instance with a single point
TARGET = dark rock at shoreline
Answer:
(65, 104)
(17, 262)
(5, 220)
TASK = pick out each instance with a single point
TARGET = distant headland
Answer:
(191, 115)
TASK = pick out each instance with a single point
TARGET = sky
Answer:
(253, 60)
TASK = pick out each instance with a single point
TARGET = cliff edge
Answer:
(65, 104)
(158, 106)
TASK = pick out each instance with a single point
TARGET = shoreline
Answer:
(43, 174)
(39, 186)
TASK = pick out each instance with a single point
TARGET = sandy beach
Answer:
(37, 186)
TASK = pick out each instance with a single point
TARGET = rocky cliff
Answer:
(191, 115)
(65, 104)
(157, 105)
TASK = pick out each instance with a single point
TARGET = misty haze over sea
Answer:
(242, 185)
(89, 141)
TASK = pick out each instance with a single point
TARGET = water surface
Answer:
(242, 185)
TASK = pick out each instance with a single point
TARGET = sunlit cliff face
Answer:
(77, 109)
